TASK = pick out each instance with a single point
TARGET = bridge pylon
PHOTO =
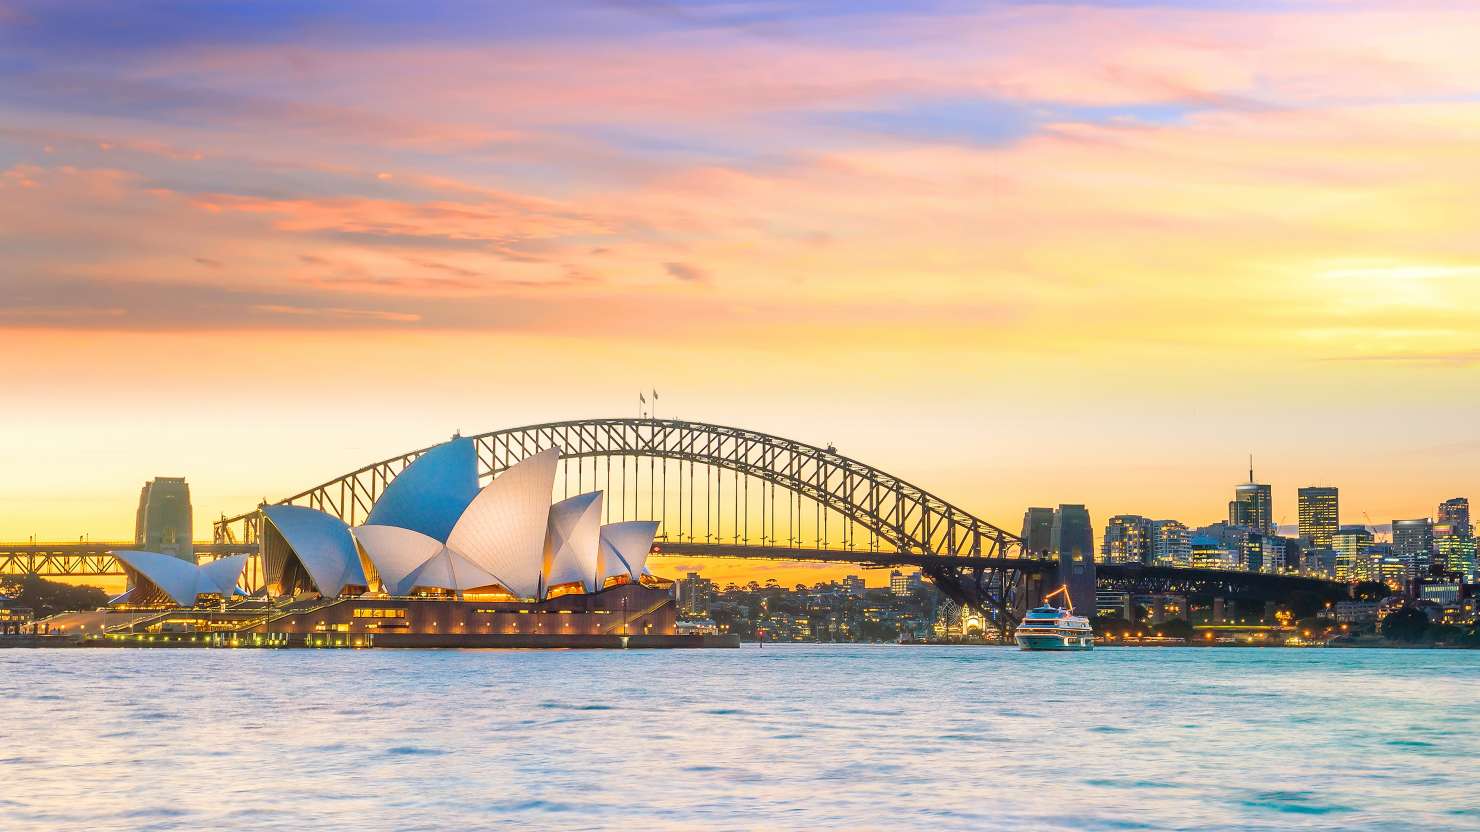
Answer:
(1076, 571)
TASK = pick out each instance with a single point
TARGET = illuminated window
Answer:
(376, 612)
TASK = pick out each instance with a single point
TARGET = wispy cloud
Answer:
(1461, 358)
(686, 272)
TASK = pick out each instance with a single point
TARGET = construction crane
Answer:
(1371, 526)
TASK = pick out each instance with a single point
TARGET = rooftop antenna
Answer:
(1251, 468)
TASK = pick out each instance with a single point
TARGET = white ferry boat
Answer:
(1053, 628)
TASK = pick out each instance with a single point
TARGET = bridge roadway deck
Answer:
(58, 559)
(858, 556)
(92, 559)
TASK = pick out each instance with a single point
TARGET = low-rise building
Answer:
(1440, 593)
(1461, 613)
(14, 618)
(1355, 612)
(1113, 604)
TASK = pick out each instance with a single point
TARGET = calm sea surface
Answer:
(815, 737)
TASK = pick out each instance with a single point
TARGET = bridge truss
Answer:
(95, 559)
(1207, 584)
(732, 490)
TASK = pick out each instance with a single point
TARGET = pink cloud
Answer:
(335, 312)
(1069, 53)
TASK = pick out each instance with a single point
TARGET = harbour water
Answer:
(804, 737)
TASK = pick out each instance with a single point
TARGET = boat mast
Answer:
(1064, 589)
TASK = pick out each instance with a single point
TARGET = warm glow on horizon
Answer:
(1018, 254)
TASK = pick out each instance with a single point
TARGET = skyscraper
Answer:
(1252, 505)
(163, 522)
(1072, 533)
(1037, 530)
(1455, 513)
(1349, 541)
(1318, 515)
(1127, 540)
(1454, 549)
(1413, 545)
(1266, 553)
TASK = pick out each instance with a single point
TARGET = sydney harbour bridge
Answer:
(720, 491)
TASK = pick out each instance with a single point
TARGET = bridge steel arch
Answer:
(900, 518)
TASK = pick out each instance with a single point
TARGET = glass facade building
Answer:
(1318, 515)
(1455, 551)
(1349, 543)
(1252, 507)
(1455, 513)
(1413, 545)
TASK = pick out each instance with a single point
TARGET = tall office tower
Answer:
(1171, 543)
(1369, 562)
(1037, 531)
(1072, 533)
(163, 521)
(1454, 549)
(1391, 569)
(1252, 505)
(1413, 545)
(1127, 540)
(1455, 513)
(1318, 515)
(1266, 553)
(1349, 541)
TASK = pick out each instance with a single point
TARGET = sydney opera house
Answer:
(438, 562)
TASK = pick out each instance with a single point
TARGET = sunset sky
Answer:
(1016, 252)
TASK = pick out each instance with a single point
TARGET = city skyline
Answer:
(1126, 537)
(984, 247)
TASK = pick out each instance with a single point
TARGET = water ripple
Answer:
(815, 737)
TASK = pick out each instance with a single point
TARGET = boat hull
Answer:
(1046, 641)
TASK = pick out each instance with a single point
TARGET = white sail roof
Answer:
(396, 553)
(178, 579)
(449, 570)
(503, 529)
(624, 549)
(432, 492)
(323, 545)
(221, 576)
(571, 540)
